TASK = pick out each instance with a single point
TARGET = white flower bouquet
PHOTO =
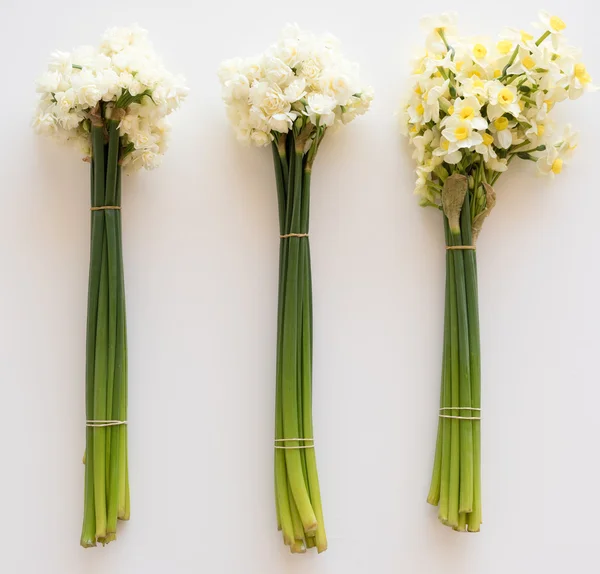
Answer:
(289, 98)
(474, 107)
(112, 102)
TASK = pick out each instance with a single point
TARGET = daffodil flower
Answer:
(469, 110)
(501, 129)
(486, 147)
(431, 101)
(551, 162)
(435, 26)
(569, 142)
(444, 152)
(421, 142)
(503, 99)
(460, 134)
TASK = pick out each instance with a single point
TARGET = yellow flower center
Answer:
(451, 110)
(501, 123)
(504, 46)
(479, 51)
(557, 24)
(418, 90)
(557, 165)
(528, 62)
(497, 73)
(549, 104)
(541, 129)
(420, 109)
(461, 133)
(474, 73)
(445, 145)
(437, 74)
(581, 74)
(487, 139)
(580, 70)
(505, 97)
(525, 37)
(414, 129)
(459, 66)
(467, 113)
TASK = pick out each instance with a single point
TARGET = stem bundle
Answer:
(456, 481)
(106, 496)
(297, 494)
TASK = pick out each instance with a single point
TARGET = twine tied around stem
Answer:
(287, 235)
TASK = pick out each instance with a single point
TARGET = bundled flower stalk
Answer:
(289, 98)
(474, 107)
(111, 102)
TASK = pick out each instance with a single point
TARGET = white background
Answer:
(201, 246)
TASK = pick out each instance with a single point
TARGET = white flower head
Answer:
(550, 23)
(123, 72)
(301, 76)
(503, 99)
(469, 110)
(486, 148)
(460, 134)
(320, 109)
(551, 162)
(501, 128)
(435, 27)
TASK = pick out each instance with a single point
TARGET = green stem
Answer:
(123, 509)
(466, 427)
(454, 472)
(291, 426)
(474, 517)
(438, 490)
(88, 535)
(306, 354)
(115, 334)
(100, 376)
(96, 399)
(542, 37)
(281, 484)
(510, 63)
(296, 522)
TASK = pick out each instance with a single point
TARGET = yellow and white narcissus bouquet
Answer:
(475, 105)
(289, 98)
(112, 102)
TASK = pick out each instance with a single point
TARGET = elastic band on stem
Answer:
(450, 247)
(105, 207)
(99, 423)
(294, 447)
(460, 409)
